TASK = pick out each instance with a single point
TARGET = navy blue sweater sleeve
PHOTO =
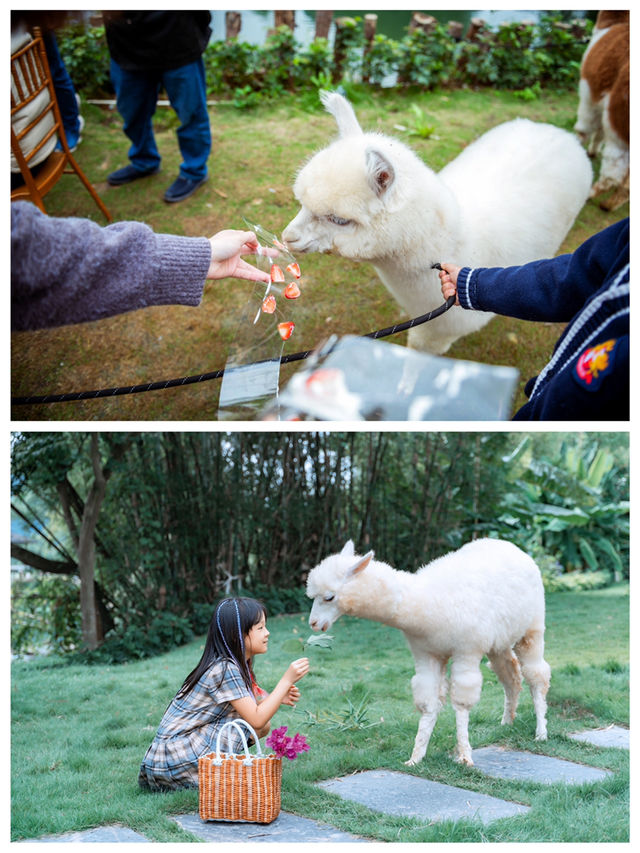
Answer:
(551, 290)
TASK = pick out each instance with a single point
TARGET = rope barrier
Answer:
(117, 391)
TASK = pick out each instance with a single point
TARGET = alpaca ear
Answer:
(362, 564)
(348, 550)
(380, 173)
(342, 111)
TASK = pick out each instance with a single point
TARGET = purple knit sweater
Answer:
(73, 270)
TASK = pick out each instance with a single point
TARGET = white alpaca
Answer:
(484, 599)
(509, 198)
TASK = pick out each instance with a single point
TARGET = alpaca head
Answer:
(348, 191)
(325, 584)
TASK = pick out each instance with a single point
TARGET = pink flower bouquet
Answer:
(284, 746)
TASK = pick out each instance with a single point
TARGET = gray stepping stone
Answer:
(286, 827)
(411, 796)
(101, 833)
(614, 736)
(528, 767)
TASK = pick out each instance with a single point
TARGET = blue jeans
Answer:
(137, 94)
(65, 91)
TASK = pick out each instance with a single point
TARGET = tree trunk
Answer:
(420, 21)
(285, 19)
(87, 549)
(323, 23)
(233, 25)
(370, 25)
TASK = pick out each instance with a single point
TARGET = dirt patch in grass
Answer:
(253, 164)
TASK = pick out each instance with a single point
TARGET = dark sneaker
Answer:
(182, 188)
(128, 174)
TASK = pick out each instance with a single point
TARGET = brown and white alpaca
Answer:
(603, 111)
(486, 598)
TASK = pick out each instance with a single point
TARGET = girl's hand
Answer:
(292, 696)
(449, 280)
(297, 670)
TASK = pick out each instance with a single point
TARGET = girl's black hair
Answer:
(232, 620)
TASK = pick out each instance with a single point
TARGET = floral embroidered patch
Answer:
(595, 364)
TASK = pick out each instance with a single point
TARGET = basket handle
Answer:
(237, 725)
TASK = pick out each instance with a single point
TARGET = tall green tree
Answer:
(49, 464)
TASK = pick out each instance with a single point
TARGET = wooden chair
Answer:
(36, 125)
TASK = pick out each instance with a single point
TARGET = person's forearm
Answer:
(258, 715)
(530, 292)
(552, 290)
(72, 270)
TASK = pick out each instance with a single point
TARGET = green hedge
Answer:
(514, 56)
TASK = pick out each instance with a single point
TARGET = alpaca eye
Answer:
(329, 596)
(337, 220)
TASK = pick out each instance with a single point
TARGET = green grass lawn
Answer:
(253, 163)
(78, 734)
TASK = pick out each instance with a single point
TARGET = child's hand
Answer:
(297, 670)
(292, 696)
(449, 280)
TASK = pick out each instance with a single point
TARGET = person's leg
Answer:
(137, 95)
(186, 89)
(65, 91)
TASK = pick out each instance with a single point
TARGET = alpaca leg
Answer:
(614, 167)
(466, 685)
(537, 674)
(588, 124)
(429, 686)
(619, 197)
(506, 667)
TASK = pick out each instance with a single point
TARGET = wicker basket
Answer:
(239, 787)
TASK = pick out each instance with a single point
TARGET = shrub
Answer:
(426, 59)
(140, 640)
(229, 65)
(45, 614)
(86, 57)
(381, 60)
(514, 56)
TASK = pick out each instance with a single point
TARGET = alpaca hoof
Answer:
(542, 736)
(465, 759)
(411, 762)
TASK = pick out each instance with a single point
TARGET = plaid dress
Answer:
(189, 729)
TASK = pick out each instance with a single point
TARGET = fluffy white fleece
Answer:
(510, 197)
(486, 598)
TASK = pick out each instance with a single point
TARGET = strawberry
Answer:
(276, 273)
(269, 304)
(286, 330)
(294, 269)
(292, 291)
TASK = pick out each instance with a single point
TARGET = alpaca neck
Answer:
(427, 230)
(380, 594)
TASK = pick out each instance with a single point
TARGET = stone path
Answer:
(413, 796)
(614, 736)
(102, 833)
(529, 767)
(419, 798)
(286, 827)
